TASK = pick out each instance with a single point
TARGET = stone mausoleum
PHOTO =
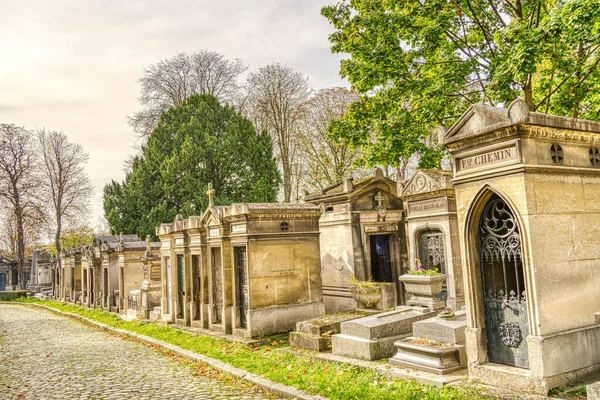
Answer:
(362, 234)
(432, 230)
(250, 269)
(527, 187)
(104, 273)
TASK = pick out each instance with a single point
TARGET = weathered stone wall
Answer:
(284, 272)
(341, 257)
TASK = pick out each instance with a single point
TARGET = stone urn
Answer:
(424, 290)
(368, 299)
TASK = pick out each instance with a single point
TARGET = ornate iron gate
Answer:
(504, 297)
(243, 286)
(431, 251)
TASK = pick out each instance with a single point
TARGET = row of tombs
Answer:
(514, 230)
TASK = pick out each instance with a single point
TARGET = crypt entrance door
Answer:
(243, 285)
(168, 283)
(381, 263)
(217, 283)
(196, 283)
(92, 294)
(503, 284)
(180, 286)
(105, 288)
(2, 282)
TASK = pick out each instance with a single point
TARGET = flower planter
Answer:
(367, 300)
(424, 289)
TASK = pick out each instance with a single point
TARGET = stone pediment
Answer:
(481, 118)
(426, 181)
(214, 215)
(350, 189)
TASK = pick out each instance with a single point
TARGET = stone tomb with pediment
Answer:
(251, 269)
(527, 187)
(432, 230)
(275, 266)
(362, 234)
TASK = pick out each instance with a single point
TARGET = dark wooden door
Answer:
(2, 282)
(180, 286)
(217, 282)
(196, 282)
(504, 296)
(242, 271)
(381, 263)
(92, 292)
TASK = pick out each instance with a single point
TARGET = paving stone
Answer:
(47, 356)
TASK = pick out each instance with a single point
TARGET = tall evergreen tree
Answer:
(196, 143)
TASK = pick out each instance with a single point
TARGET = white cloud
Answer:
(74, 65)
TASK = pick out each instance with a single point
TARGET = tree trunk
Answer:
(58, 232)
(20, 246)
(528, 93)
(287, 180)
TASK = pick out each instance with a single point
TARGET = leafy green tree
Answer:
(196, 143)
(73, 237)
(419, 64)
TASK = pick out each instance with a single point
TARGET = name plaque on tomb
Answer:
(427, 206)
(285, 272)
(381, 228)
(212, 232)
(155, 273)
(238, 228)
(497, 156)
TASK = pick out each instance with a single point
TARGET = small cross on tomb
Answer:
(211, 194)
(379, 198)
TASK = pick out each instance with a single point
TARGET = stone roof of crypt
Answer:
(272, 208)
(428, 180)
(115, 239)
(350, 187)
(481, 118)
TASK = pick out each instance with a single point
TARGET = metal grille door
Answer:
(504, 297)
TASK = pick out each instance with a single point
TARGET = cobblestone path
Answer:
(47, 356)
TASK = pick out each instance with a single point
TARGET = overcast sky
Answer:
(73, 65)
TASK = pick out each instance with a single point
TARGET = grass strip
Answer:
(327, 378)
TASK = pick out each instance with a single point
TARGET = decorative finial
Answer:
(148, 249)
(211, 194)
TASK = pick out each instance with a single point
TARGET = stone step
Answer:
(309, 341)
(365, 349)
(157, 309)
(154, 315)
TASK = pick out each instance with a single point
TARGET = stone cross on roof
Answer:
(379, 198)
(211, 194)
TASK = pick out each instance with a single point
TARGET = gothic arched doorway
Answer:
(504, 297)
